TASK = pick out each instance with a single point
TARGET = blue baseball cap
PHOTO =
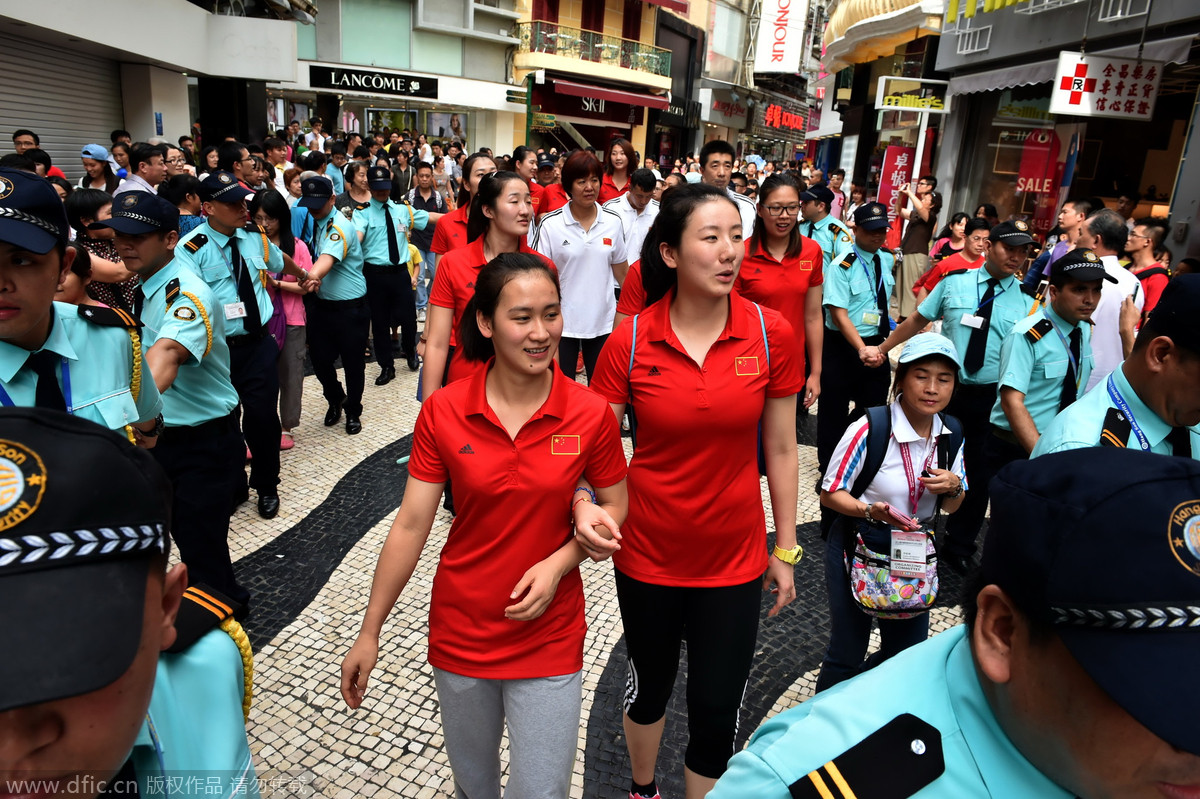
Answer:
(315, 192)
(138, 212)
(923, 345)
(94, 151)
(32, 216)
(222, 187)
(871, 216)
(1103, 545)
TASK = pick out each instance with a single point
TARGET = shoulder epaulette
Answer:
(952, 272)
(835, 226)
(108, 317)
(1116, 429)
(194, 244)
(897, 760)
(203, 610)
(847, 261)
(172, 291)
(1036, 332)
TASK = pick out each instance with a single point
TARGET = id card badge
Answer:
(907, 554)
(972, 321)
(871, 318)
(235, 310)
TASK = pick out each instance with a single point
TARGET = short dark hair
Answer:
(274, 144)
(39, 156)
(489, 283)
(141, 153)
(337, 148)
(419, 165)
(362, 151)
(119, 134)
(1109, 226)
(185, 137)
(176, 188)
(1156, 229)
(229, 153)
(643, 179)
(931, 180)
(62, 183)
(18, 161)
(19, 132)
(976, 223)
(718, 147)
(580, 164)
(85, 204)
(837, 173)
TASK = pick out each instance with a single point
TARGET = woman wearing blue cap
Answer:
(879, 563)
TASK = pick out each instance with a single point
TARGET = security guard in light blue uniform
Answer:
(857, 293)
(1150, 402)
(234, 262)
(390, 280)
(820, 226)
(993, 709)
(338, 315)
(87, 360)
(154, 707)
(183, 336)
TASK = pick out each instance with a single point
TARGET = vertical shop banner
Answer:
(1099, 86)
(1039, 175)
(780, 36)
(897, 171)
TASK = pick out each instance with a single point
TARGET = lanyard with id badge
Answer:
(234, 310)
(872, 317)
(974, 320)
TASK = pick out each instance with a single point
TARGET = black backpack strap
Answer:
(879, 430)
(948, 445)
(1151, 272)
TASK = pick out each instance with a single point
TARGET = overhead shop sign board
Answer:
(372, 82)
(1099, 86)
(910, 94)
(780, 36)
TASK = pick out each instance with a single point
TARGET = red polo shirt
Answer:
(935, 273)
(609, 190)
(535, 194)
(633, 292)
(514, 499)
(695, 507)
(451, 231)
(782, 285)
(553, 197)
(454, 286)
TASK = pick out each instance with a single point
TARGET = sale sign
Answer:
(1100, 86)
(897, 171)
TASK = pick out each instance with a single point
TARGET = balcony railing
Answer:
(554, 39)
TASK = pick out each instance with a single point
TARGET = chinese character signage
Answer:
(897, 172)
(909, 94)
(1098, 86)
(776, 117)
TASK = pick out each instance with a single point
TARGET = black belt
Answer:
(341, 304)
(194, 433)
(1006, 435)
(247, 338)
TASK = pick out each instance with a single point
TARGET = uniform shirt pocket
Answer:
(116, 410)
(1055, 369)
(214, 272)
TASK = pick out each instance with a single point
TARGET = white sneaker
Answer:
(420, 314)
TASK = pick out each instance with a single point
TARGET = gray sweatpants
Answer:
(543, 731)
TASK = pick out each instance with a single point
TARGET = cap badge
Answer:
(225, 178)
(131, 199)
(877, 209)
(1183, 535)
(6, 187)
(1088, 255)
(22, 484)
(1021, 226)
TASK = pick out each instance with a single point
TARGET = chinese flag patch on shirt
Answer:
(607, 242)
(746, 366)
(564, 445)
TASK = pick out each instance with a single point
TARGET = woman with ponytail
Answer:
(506, 617)
(451, 231)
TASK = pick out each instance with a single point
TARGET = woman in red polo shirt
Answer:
(506, 616)
(500, 217)
(451, 230)
(782, 270)
(618, 163)
(707, 367)
(524, 162)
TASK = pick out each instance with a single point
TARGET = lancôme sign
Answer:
(372, 82)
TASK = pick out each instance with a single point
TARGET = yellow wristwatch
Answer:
(790, 556)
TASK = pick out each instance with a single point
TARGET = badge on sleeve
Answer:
(184, 313)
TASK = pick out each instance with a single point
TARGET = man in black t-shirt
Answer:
(423, 198)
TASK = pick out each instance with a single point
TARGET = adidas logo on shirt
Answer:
(757, 271)
(466, 450)
(566, 243)
(653, 372)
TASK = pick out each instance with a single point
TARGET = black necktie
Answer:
(977, 345)
(139, 301)
(1070, 384)
(811, 226)
(393, 244)
(1180, 439)
(881, 299)
(45, 366)
(245, 291)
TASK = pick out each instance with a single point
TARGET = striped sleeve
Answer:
(848, 457)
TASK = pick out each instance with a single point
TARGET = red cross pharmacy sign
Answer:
(1099, 86)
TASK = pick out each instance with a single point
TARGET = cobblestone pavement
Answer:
(310, 571)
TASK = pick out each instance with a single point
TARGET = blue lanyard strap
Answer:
(1115, 395)
(862, 259)
(980, 301)
(7, 401)
(1067, 345)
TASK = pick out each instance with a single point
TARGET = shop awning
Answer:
(680, 6)
(615, 95)
(861, 31)
(1172, 51)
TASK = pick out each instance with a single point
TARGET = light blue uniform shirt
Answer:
(334, 173)
(373, 224)
(1038, 368)
(959, 295)
(337, 237)
(832, 235)
(213, 262)
(934, 681)
(852, 286)
(94, 373)
(201, 391)
(1080, 425)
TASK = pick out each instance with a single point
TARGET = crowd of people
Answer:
(173, 297)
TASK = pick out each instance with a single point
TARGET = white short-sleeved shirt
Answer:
(1106, 334)
(747, 209)
(636, 225)
(584, 260)
(891, 482)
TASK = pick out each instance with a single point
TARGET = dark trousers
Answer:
(972, 405)
(844, 379)
(1000, 449)
(254, 372)
(390, 297)
(850, 627)
(197, 460)
(339, 329)
(568, 354)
